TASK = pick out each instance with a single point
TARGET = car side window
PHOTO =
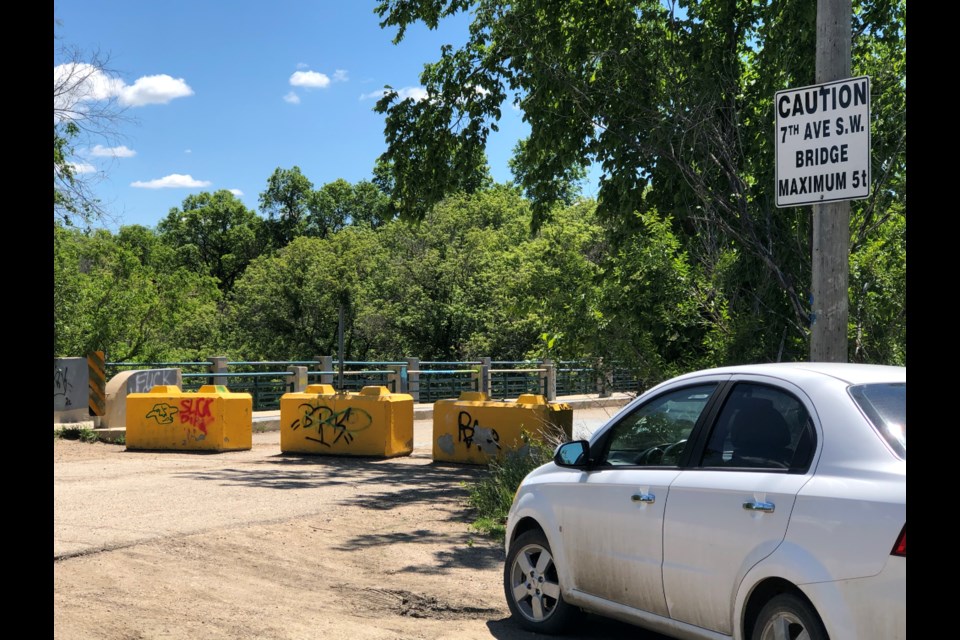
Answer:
(760, 427)
(656, 433)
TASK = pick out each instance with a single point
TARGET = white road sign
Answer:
(823, 142)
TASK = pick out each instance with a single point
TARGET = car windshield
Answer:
(885, 405)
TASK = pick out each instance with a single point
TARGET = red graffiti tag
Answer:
(196, 411)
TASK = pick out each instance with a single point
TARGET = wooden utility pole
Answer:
(831, 221)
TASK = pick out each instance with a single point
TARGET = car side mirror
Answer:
(574, 454)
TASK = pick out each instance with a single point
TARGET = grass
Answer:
(84, 434)
(493, 494)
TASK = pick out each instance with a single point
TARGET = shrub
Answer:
(84, 434)
(492, 495)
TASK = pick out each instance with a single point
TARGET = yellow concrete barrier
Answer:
(212, 418)
(474, 429)
(373, 422)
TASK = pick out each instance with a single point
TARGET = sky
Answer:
(220, 94)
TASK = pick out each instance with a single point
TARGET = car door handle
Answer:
(766, 507)
(646, 498)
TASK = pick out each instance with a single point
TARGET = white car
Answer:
(756, 502)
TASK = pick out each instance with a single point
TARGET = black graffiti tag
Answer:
(62, 385)
(468, 429)
(163, 413)
(342, 424)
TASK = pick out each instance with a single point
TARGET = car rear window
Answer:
(885, 405)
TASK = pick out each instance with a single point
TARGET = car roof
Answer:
(851, 373)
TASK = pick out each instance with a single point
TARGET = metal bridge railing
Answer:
(428, 381)
(266, 387)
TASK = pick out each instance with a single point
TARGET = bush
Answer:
(84, 434)
(493, 494)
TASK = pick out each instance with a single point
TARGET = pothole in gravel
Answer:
(417, 605)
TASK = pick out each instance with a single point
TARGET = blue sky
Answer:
(222, 93)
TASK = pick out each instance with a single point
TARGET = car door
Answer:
(730, 508)
(612, 519)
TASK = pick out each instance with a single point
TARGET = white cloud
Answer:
(309, 79)
(159, 89)
(340, 75)
(100, 151)
(302, 65)
(416, 93)
(82, 167)
(82, 82)
(172, 181)
(79, 81)
(235, 192)
(481, 90)
(292, 98)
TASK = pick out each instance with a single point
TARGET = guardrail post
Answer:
(394, 379)
(218, 365)
(316, 367)
(604, 379)
(549, 379)
(413, 378)
(297, 378)
(485, 365)
(326, 364)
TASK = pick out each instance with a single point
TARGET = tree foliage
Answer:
(84, 111)
(673, 100)
(123, 295)
(286, 201)
(214, 234)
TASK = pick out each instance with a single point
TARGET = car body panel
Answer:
(710, 540)
(621, 561)
(828, 538)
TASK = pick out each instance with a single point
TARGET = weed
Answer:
(84, 434)
(492, 495)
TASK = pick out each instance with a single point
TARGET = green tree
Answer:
(120, 294)
(214, 234)
(449, 282)
(339, 203)
(286, 201)
(673, 101)
(286, 305)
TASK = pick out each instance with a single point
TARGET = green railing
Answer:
(512, 378)
(357, 380)
(508, 379)
(576, 379)
(266, 387)
(439, 384)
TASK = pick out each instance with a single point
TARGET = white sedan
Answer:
(756, 502)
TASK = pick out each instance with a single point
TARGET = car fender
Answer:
(528, 504)
(796, 565)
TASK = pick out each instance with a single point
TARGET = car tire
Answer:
(532, 586)
(787, 617)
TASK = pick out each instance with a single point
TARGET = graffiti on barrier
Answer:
(62, 385)
(163, 413)
(70, 384)
(145, 380)
(470, 432)
(196, 412)
(342, 425)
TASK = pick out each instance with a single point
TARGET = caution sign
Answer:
(96, 368)
(823, 142)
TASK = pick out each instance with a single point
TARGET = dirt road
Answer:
(258, 544)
